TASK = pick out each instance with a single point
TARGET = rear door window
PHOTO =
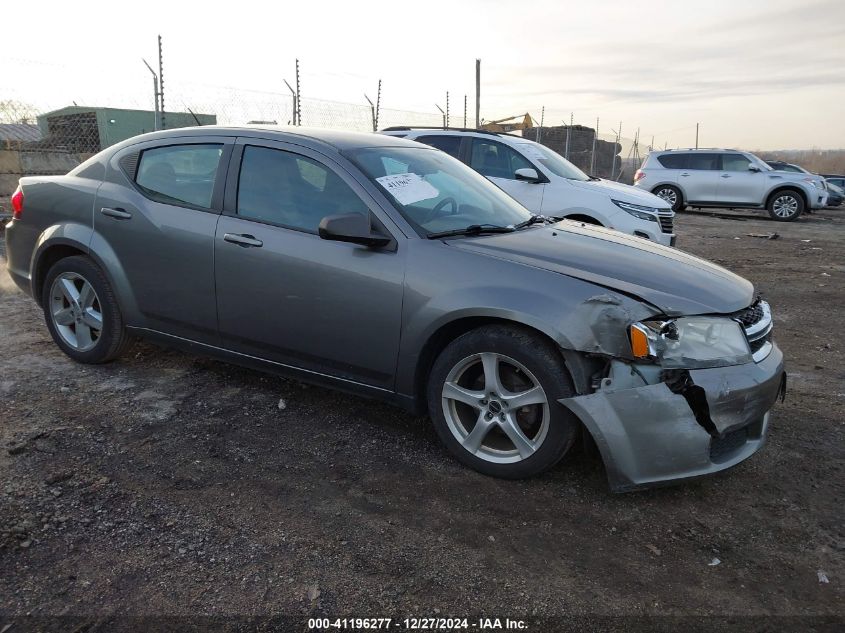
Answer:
(180, 174)
(673, 161)
(449, 144)
(703, 161)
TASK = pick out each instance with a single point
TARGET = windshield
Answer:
(436, 192)
(552, 161)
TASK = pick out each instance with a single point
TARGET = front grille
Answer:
(665, 223)
(756, 320)
(750, 315)
(725, 447)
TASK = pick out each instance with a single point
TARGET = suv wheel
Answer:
(785, 206)
(670, 194)
(492, 395)
(82, 312)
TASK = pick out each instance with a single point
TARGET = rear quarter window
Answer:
(673, 161)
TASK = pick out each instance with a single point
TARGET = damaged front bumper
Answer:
(655, 427)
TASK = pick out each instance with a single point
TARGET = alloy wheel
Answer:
(496, 408)
(785, 206)
(76, 311)
(669, 195)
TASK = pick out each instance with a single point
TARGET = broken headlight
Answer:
(691, 342)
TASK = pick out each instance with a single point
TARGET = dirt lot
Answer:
(171, 484)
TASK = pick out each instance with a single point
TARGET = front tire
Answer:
(670, 194)
(81, 311)
(785, 206)
(492, 395)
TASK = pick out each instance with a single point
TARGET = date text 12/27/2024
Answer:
(417, 624)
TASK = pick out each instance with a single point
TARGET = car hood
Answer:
(673, 281)
(794, 176)
(623, 193)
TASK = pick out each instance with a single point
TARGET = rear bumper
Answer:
(18, 250)
(650, 435)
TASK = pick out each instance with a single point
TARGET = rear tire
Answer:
(670, 194)
(785, 206)
(492, 395)
(81, 311)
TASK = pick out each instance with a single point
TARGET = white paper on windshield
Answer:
(408, 188)
(529, 151)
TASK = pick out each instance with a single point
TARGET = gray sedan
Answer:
(381, 266)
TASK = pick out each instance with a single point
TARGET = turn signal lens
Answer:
(639, 342)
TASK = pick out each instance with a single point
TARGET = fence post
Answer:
(161, 83)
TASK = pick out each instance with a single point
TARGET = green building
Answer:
(88, 130)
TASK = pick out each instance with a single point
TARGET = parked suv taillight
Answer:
(639, 175)
(17, 203)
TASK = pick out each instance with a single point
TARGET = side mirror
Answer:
(527, 174)
(351, 227)
(753, 167)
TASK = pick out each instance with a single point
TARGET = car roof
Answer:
(449, 131)
(696, 149)
(336, 139)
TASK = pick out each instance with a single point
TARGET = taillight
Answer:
(639, 175)
(17, 203)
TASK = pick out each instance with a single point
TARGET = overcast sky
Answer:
(757, 74)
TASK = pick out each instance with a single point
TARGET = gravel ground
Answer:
(166, 483)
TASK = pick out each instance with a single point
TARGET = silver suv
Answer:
(728, 178)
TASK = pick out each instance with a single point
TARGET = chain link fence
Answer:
(52, 135)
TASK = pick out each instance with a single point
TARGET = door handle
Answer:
(243, 240)
(685, 174)
(119, 214)
(726, 175)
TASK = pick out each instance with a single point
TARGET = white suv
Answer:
(546, 183)
(729, 178)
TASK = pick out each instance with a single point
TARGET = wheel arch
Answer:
(580, 366)
(53, 244)
(674, 185)
(583, 217)
(787, 187)
(58, 242)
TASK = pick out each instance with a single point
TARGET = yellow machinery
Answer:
(509, 124)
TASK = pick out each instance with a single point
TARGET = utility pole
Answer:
(447, 109)
(161, 85)
(477, 93)
(593, 156)
(696, 136)
(443, 113)
(157, 116)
